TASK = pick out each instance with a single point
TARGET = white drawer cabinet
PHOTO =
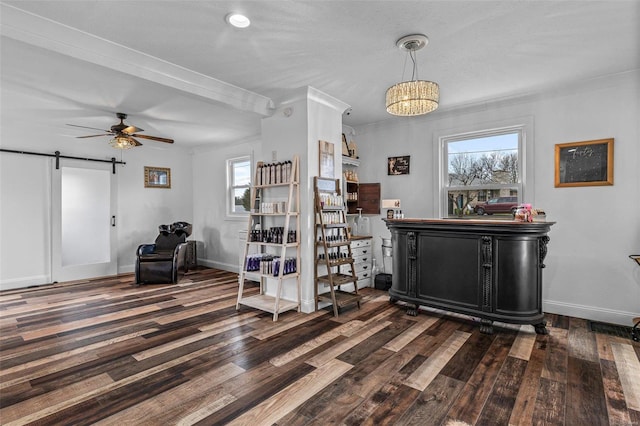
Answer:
(362, 253)
(360, 242)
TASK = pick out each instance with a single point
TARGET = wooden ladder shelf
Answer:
(273, 232)
(332, 247)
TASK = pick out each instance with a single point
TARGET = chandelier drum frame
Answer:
(414, 97)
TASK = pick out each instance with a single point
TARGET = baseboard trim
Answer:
(230, 267)
(126, 269)
(307, 306)
(593, 313)
(24, 282)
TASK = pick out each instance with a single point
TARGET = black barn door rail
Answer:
(57, 156)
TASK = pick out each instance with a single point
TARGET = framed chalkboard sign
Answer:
(326, 185)
(588, 163)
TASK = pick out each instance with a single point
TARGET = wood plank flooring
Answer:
(106, 352)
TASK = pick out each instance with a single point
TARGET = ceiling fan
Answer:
(123, 134)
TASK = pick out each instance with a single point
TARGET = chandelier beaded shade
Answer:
(415, 97)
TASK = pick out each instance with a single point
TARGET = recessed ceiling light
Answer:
(238, 20)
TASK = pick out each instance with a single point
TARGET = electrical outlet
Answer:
(274, 156)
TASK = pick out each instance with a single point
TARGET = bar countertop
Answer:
(494, 225)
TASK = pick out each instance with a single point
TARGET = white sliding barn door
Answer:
(83, 200)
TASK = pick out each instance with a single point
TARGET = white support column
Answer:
(300, 120)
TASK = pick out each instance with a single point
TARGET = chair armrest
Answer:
(146, 249)
(180, 256)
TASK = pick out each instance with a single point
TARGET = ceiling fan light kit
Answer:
(123, 142)
(123, 134)
(414, 97)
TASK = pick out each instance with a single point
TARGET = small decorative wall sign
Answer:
(326, 159)
(398, 165)
(588, 163)
(157, 177)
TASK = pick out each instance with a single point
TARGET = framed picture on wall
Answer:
(157, 177)
(588, 163)
(398, 165)
(327, 165)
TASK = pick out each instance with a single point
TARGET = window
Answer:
(239, 186)
(482, 167)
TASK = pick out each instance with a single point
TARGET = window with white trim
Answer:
(479, 167)
(239, 186)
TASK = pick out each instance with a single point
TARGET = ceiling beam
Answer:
(35, 30)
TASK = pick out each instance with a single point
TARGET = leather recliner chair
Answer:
(163, 261)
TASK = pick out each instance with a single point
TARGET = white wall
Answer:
(140, 209)
(25, 198)
(217, 234)
(588, 272)
(25, 254)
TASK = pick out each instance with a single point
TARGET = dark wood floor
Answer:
(106, 352)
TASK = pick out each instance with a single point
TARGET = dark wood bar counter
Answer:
(489, 269)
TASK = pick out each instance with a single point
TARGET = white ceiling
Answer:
(181, 72)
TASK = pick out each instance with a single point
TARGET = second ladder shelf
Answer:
(332, 248)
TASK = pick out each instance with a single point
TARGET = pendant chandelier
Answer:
(415, 97)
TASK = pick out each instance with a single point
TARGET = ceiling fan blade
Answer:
(93, 136)
(131, 130)
(85, 127)
(125, 128)
(136, 142)
(154, 138)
